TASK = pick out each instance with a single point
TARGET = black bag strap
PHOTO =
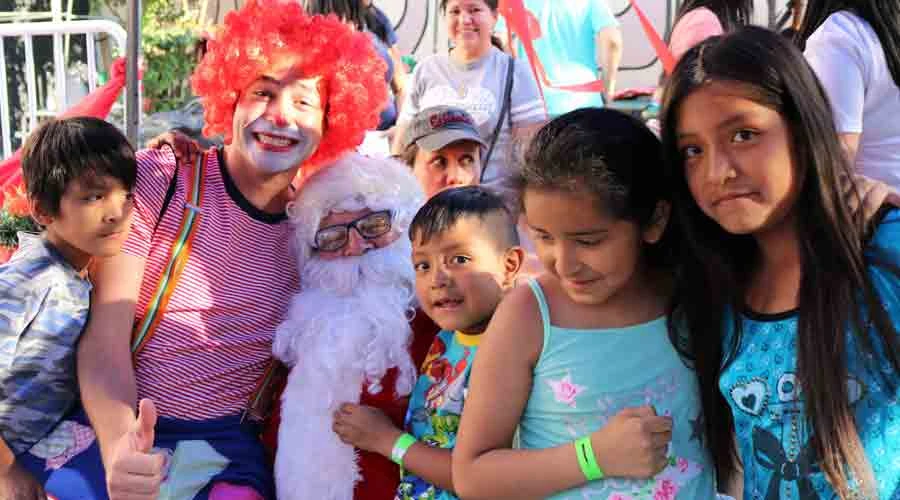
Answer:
(504, 113)
(170, 191)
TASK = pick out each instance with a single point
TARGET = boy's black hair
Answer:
(444, 209)
(62, 150)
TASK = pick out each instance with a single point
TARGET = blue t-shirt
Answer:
(766, 398)
(43, 308)
(567, 48)
(436, 404)
(388, 115)
(385, 26)
(584, 377)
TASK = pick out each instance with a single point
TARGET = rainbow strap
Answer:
(178, 257)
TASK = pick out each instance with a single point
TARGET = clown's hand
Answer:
(186, 149)
(134, 472)
(365, 428)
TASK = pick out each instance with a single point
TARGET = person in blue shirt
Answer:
(79, 173)
(365, 16)
(788, 300)
(577, 39)
(466, 254)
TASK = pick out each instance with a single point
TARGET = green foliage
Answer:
(10, 225)
(170, 31)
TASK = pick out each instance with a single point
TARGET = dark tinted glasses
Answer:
(370, 226)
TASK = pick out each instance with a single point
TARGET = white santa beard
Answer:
(347, 327)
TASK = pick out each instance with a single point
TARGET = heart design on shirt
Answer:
(750, 396)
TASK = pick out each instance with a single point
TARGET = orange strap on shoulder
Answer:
(178, 257)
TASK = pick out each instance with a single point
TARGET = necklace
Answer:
(464, 77)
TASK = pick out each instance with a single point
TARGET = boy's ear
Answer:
(38, 213)
(654, 231)
(512, 264)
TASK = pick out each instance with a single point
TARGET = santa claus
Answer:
(347, 335)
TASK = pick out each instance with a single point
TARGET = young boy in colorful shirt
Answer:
(79, 173)
(466, 254)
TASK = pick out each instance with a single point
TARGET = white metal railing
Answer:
(57, 29)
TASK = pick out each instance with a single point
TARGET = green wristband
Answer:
(586, 459)
(401, 445)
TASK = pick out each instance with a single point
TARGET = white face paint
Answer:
(273, 149)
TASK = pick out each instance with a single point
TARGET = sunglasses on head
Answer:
(369, 226)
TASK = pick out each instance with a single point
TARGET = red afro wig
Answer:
(256, 37)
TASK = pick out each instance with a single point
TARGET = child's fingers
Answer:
(640, 411)
(660, 439)
(658, 425)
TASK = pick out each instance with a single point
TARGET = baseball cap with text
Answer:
(433, 128)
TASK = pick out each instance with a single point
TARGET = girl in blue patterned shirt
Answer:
(789, 300)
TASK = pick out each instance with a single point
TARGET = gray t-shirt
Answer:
(478, 88)
(43, 309)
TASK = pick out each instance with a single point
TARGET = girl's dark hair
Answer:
(609, 154)
(733, 14)
(347, 10)
(882, 15)
(81, 148)
(715, 266)
(493, 5)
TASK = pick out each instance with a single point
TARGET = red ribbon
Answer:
(97, 104)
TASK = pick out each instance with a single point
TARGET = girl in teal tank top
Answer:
(573, 395)
(578, 361)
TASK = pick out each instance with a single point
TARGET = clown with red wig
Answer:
(174, 362)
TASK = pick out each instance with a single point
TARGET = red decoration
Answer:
(97, 104)
(523, 23)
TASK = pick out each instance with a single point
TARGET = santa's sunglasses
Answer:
(369, 226)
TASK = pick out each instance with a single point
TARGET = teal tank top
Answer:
(585, 377)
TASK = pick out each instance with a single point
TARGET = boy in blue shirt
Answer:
(466, 254)
(78, 174)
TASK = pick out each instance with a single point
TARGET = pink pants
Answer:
(228, 491)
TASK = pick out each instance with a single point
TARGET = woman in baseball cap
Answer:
(443, 147)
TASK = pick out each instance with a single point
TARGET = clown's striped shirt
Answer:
(215, 339)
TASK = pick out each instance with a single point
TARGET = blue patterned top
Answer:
(766, 398)
(43, 308)
(436, 404)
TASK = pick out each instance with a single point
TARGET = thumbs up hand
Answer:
(134, 473)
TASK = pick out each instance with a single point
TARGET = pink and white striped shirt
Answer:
(214, 341)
